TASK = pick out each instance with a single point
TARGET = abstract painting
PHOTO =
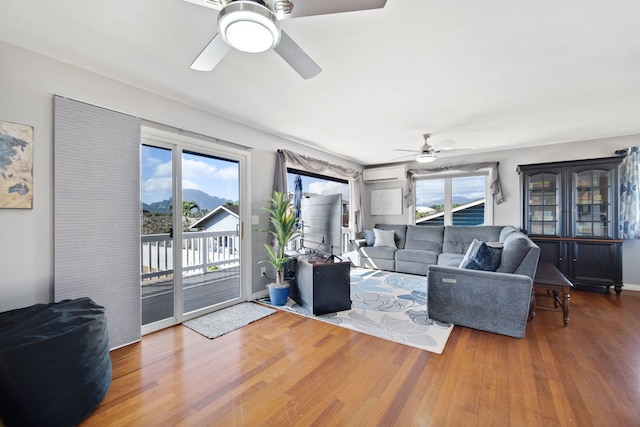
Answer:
(16, 166)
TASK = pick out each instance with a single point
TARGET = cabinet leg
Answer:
(618, 289)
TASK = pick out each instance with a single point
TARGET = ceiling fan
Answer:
(254, 26)
(427, 153)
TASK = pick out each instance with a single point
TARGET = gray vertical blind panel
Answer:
(97, 212)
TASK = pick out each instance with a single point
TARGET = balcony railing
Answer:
(202, 251)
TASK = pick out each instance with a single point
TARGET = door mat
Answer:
(228, 319)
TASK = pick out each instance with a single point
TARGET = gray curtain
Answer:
(494, 178)
(289, 159)
(97, 212)
(629, 196)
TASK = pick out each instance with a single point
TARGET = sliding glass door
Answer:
(191, 231)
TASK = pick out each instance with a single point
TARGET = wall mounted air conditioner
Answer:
(385, 173)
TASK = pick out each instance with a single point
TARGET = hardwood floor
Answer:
(287, 370)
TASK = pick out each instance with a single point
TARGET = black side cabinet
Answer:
(322, 287)
(570, 210)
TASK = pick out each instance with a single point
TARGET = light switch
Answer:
(255, 220)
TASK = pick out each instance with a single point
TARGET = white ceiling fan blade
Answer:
(211, 55)
(443, 149)
(315, 7)
(211, 4)
(408, 151)
(403, 157)
(296, 57)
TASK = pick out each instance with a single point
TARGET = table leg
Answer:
(532, 307)
(565, 306)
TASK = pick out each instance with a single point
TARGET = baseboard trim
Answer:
(626, 287)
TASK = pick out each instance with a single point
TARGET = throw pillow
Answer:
(486, 257)
(472, 249)
(384, 238)
(369, 237)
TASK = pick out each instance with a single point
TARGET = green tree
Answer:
(188, 206)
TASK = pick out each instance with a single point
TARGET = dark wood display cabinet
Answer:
(570, 210)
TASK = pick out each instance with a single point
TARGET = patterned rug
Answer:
(388, 305)
(220, 322)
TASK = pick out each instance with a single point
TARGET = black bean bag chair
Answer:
(55, 367)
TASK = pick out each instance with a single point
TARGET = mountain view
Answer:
(204, 201)
(456, 200)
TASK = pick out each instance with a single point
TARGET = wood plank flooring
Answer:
(288, 370)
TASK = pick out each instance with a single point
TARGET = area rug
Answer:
(220, 322)
(388, 305)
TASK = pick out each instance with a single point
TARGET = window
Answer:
(314, 184)
(319, 185)
(453, 200)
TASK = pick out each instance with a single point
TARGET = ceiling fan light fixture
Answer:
(425, 158)
(248, 26)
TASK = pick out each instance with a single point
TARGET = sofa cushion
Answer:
(449, 259)
(369, 237)
(414, 255)
(506, 230)
(484, 256)
(384, 238)
(457, 239)
(400, 231)
(516, 247)
(380, 252)
(424, 237)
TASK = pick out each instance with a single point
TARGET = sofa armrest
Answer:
(485, 300)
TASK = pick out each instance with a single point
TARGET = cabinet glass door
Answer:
(543, 195)
(592, 208)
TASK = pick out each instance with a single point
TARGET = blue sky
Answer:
(220, 178)
(319, 186)
(430, 191)
(213, 176)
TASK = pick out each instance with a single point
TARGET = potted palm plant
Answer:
(284, 230)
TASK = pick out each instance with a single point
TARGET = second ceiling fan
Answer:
(254, 26)
(427, 153)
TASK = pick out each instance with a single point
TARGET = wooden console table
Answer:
(556, 285)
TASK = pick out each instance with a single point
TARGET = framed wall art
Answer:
(386, 202)
(16, 166)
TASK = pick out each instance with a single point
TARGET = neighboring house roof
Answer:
(454, 210)
(425, 209)
(233, 210)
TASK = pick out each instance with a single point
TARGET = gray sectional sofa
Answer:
(495, 301)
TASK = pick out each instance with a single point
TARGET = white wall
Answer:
(509, 212)
(27, 83)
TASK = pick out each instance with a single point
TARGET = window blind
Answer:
(97, 212)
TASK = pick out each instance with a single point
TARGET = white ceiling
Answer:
(488, 75)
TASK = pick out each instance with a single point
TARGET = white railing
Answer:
(202, 251)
